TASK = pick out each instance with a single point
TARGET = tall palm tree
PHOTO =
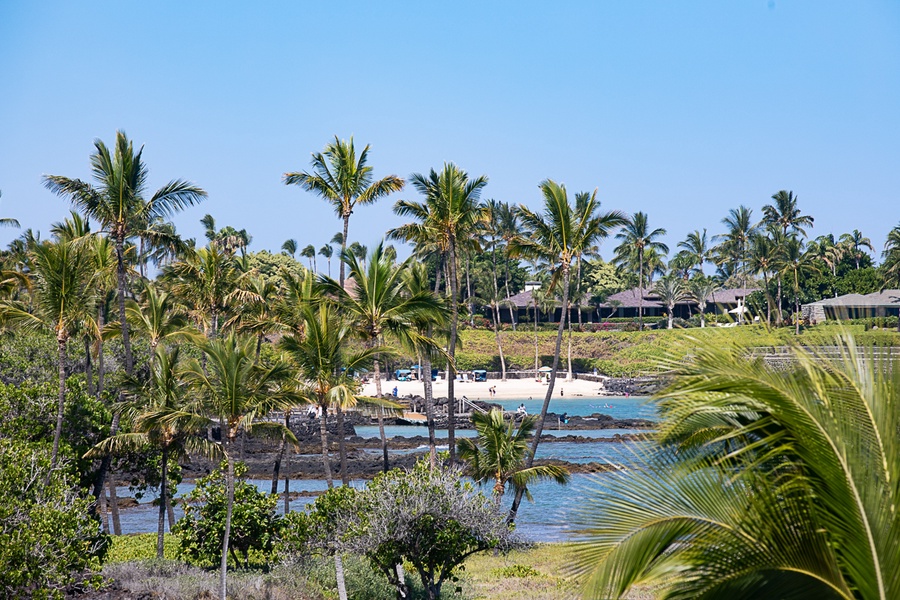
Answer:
(327, 252)
(344, 181)
(290, 247)
(764, 260)
(670, 290)
(204, 281)
(62, 298)
(158, 319)
(701, 289)
(856, 242)
(766, 484)
(735, 242)
(235, 392)
(381, 307)
(637, 239)
(158, 418)
(785, 214)
(448, 217)
(309, 253)
(558, 235)
(498, 454)
(697, 249)
(797, 262)
(507, 223)
(117, 201)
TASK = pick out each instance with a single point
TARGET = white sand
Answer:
(515, 389)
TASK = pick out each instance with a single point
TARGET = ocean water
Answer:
(547, 519)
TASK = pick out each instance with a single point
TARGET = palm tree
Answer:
(158, 319)
(345, 182)
(158, 418)
(62, 299)
(670, 290)
(767, 484)
(204, 281)
(327, 252)
(797, 262)
(696, 249)
(701, 289)
(637, 240)
(117, 202)
(856, 242)
(235, 391)
(380, 307)
(785, 214)
(448, 217)
(559, 235)
(764, 259)
(735, 243)
(290, 247)
(498, 454)
(309, 253)
(7, 222)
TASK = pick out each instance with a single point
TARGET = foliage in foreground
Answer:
(48, 542)
(764, 484)
(254, 524)
(428, 518)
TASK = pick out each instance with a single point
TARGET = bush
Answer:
(48, 542)
(254, 524)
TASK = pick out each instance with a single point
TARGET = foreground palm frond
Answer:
(763, 484)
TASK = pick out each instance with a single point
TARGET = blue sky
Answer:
(679, 109)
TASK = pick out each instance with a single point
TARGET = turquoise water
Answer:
(545, 520)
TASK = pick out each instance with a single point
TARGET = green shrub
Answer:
(516, 571)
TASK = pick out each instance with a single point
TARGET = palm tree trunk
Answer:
(104, 511)
(469, 303)
(88, 366)
(539, 426)
(276, 469)
(339, 574)
(163, 495)
(121, 278)
(496, 316)
(537, 364)
(512, 314)
(114, 504)
(640, 289)
(61, 407)
(323, 431)
(170, 511)
(778, 316)
(768, 300)
(342, 446)
(451, 350)
(229, 506)
(101, 318)
(429, 404)
(384, 446)
(569, 358)
(346, 216)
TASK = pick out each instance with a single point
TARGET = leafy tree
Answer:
(344, 181)
(254, 526)
(498, 454)
(637, 241)
(48, 541)
(765, 484)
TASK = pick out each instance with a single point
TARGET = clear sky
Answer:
(679, 109)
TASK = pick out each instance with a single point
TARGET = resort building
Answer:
(885, 303)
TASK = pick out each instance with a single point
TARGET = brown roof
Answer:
(630, 298)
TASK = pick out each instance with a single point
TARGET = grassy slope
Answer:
(633, 353)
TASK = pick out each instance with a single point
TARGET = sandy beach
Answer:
(514, 389)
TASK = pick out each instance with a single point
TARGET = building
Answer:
(885, 303)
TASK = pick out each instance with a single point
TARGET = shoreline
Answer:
(511, 389)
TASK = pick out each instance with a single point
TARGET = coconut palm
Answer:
(62, 299)
(204, 281)
(309, 253)
(158, 418)
(696, 249)
(159, 319)
(7, 222)
(498, 454)
(117, 202)
(670, 290)
(830, 252)
(891, 257)
(637, 241)
(785, 214)
(855, 242)
(289, 247)
(381, 309)
(701, 289)
(235, 392)
(766, 484)
(796, 262)
(448, 219)
(327, 252)
(344, 181)
(558, 235)
(734, 246)
(764, 260)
